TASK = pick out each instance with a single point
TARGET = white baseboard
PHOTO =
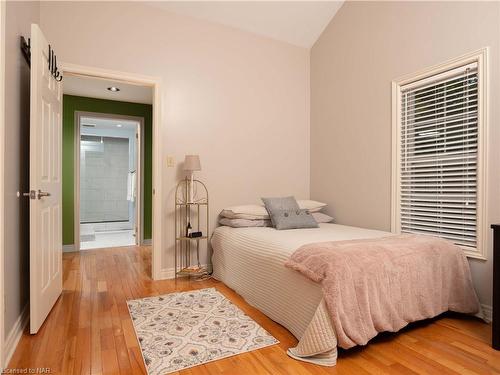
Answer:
(487, 311)
(15, 334)
(68, 248)
(147, 242)
(169, 273)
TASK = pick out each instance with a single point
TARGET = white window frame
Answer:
(481, 58)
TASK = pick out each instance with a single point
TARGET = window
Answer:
(438, 144)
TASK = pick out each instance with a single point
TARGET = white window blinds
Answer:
(439, 156)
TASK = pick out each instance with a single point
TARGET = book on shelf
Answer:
(193, 270)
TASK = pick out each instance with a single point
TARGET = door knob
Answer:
(31, 194)
(41, 194)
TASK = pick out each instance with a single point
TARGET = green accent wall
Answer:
(71, 104)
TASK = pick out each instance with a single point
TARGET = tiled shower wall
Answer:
(104, 167)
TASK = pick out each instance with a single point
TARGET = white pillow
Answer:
(312, 206)
(320, 217)
(259, 212)
(244, 223)
(249, 212)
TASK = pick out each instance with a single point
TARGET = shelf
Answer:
(184, 238)
(191, 210)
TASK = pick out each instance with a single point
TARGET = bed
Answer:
(250, 261)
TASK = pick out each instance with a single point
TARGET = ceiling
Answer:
(296, 22)
(97, 88)
(107, 124)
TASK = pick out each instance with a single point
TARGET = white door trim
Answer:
(2, 180)
(139, 168)
(157, 200)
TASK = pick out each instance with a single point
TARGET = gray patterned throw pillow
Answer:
(293, 219)
(273, 205)
(280, 203)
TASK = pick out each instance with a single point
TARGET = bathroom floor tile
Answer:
(110, 239)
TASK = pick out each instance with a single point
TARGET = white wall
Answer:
(19, 16)
(365, 47)
(238, 100)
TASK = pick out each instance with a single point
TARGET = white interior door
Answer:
(45, 183)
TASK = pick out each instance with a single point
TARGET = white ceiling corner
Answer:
(296, 22)
(92, 87)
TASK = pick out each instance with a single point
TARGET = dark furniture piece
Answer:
(496, 288)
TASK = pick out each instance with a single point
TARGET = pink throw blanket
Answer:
(382, 284)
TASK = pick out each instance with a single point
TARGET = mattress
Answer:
(251, 262)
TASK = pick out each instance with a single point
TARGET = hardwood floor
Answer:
(89, 331)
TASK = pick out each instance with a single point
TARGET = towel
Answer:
(131, 186)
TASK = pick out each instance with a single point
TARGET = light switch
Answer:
(170, 161)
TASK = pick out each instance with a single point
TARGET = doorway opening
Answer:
(96, 212)
(109, 180)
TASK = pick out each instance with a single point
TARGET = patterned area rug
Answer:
(186, 329)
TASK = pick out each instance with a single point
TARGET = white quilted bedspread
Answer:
(251, 262)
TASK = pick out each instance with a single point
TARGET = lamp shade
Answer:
(192, 163)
